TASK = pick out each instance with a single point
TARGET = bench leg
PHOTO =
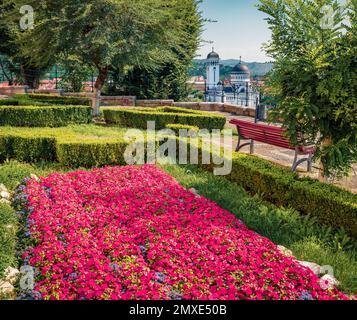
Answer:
(296, 156)
(309, 163)
(240, 145)
(297, 162)
(252, 147)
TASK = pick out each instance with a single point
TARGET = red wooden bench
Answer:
(271, 135)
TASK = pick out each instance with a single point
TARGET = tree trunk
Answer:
(8, 78)
(325, 142)
(31, 76)
(103, 74)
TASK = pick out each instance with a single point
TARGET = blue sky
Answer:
(240, 31)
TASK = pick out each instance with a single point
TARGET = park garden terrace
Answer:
(309, 234)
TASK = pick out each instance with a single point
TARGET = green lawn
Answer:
(73, 133)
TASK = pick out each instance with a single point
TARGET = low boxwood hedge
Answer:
(9, 102)
(64, 145)
(22, 102)
(177, 127)
(330, 205)
(138, 118)
(91, 153)
(39, 116)
(27, 148)
(59, 100)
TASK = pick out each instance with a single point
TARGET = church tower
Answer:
(212, 70)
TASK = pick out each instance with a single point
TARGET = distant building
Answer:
(197, 83)
(238, 89)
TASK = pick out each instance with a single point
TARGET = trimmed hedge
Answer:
(63, 145)
(27, 148)
(180, 110)
(9, 102)
(59, 100)
(92, 153)
(177, 127)
(22, 102)
(138, 118)
(52, 116)
(328, 204)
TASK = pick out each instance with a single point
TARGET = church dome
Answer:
(213, 55)
(241, 68)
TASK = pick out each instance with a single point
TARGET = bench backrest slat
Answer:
(262, 133)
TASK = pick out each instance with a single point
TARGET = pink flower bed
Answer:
(135, 233)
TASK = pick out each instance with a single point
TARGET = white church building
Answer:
(238, 90)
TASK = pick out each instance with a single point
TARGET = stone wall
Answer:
(202, 106)
(154, 103)
(10, 91)
(218, 107)
(124, 101)
(131, 101)
(53, 92)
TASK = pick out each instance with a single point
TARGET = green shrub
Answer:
(180, 110)
(38, 116)
(27, 148)
(8, 229)
(76, 147)
(85, 145)
(330, 205)
(9, 102)
(163, 116)
(177, 127)
(91, 153)
(59, 100)
(22, 101)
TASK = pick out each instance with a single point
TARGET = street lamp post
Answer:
(247, 95)
(56, 76)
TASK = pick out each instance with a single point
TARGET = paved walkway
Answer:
(286, 157)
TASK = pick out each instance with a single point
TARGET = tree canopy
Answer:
(13, 63)
(168, 79)
(104, 34)
(314, 45)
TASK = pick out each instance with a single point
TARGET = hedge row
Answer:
(138, 118)
(59, 100)
(9, 102)
(329, 205)
(91, 153)
(27, 148)
(36, 116)
(177, 127)
(21, 102)
(59, 145)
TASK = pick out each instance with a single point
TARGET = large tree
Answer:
(105, 34)
(169, 79)
(13, 62)
(315, 76)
